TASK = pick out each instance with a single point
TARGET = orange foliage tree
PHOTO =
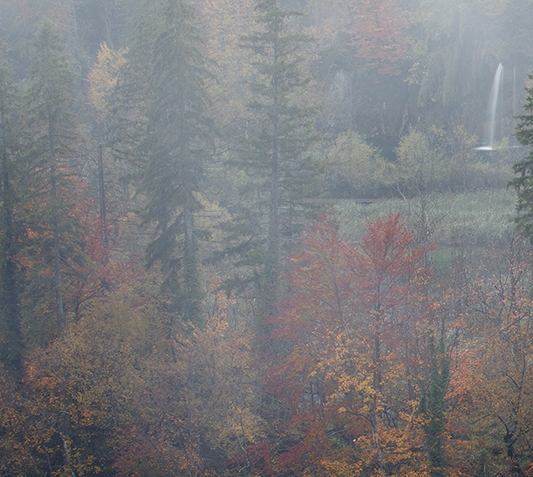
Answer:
(127, 390)
(492, 372)
(81, 393)
(204, 400)
(379, 35)
(356, 327)
(105, 268)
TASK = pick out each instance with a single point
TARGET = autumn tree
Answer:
(84, 386)
(104, 268)
(208, 395)
(491, 374)
(357, 328)
(389, 265)
(127, 390)
(379, 35)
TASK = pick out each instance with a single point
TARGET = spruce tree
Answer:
(176, 147)
(10, 225)
(432, 407)
(523, 184)
(170, 133)
(274, 152)
(52, 129)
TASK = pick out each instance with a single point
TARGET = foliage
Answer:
(379, 35)
(419, 165)
(354, 327)
(491, 375)
(365, 361)
(118, 392)
(357, 168)
(104, 75)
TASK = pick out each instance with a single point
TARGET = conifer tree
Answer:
(10, 225)
(432, 407)
(167, 140)
(176, 146)
(523, 184)
(52, 129)
(273, 153)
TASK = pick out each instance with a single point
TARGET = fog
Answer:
(266, 238)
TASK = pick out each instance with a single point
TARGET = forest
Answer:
(266, 238)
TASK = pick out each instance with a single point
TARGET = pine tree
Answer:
(274, 152)
(126, 117)
(10, 225)
(55, 236)
(433, 408)
(170, 133)
(523, 184)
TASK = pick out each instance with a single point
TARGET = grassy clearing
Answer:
(474, 219)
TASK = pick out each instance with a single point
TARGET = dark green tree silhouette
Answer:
(523, 184)
(274, 152)
(432, 407)
(10, 224)
(51, 127)
(163, 128)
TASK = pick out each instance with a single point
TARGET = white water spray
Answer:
(491, 112)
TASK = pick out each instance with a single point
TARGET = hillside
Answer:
(266, 238)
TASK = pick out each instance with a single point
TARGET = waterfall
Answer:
(491, 111)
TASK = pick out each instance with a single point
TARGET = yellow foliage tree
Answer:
(103, 77)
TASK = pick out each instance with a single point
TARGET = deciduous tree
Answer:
(357, 327)
(491, 374)
(379, 33)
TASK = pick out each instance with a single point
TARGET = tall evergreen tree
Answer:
(176, 146)
(10, 225)
(523, 184)
(171, 143)
(53, 131)
(273, 152)
(432, 407)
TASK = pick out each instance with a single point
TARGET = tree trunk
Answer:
(101, 196)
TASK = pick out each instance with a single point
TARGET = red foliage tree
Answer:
(355, 327)
(379, 35)
(103, 270)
